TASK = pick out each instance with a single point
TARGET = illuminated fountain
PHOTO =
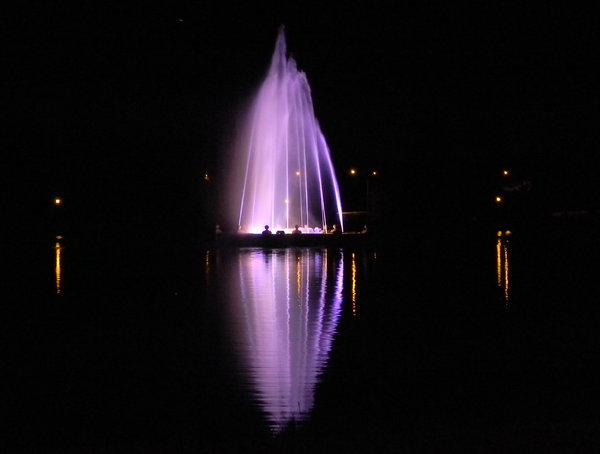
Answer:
(285, 175)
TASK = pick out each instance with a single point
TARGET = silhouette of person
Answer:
(266, 231)
(296, 231)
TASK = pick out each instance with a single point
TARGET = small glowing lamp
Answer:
(374, 173)
(505, 172)
(297, 173)
(498, 199)
(352, 171)
(508, 232)
(499, 233)
(57, 201)
(286, 201)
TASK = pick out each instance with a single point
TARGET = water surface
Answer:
(115, 346)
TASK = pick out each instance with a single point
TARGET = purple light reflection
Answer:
(284, 309)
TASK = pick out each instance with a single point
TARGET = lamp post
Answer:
(300, 200)
(373, 173)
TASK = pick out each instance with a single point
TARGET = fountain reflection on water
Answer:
(286, 174)
(284, 308)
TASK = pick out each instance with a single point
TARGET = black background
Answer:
(121, 109)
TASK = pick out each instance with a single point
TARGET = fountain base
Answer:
(290, 240)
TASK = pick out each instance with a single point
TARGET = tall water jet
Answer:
(286, 174)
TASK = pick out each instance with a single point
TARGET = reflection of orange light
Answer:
(503, 268)
(57, 266)
(506, 283)
(353, 290)
(299, 278)
(499, 262)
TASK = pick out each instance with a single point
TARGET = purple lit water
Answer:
(285, 175)
(439, 341)
(283, 309)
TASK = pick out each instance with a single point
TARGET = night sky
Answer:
(121, 109)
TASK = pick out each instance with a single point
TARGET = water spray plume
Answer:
(286, 171)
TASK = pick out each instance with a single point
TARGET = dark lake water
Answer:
(428, 341)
